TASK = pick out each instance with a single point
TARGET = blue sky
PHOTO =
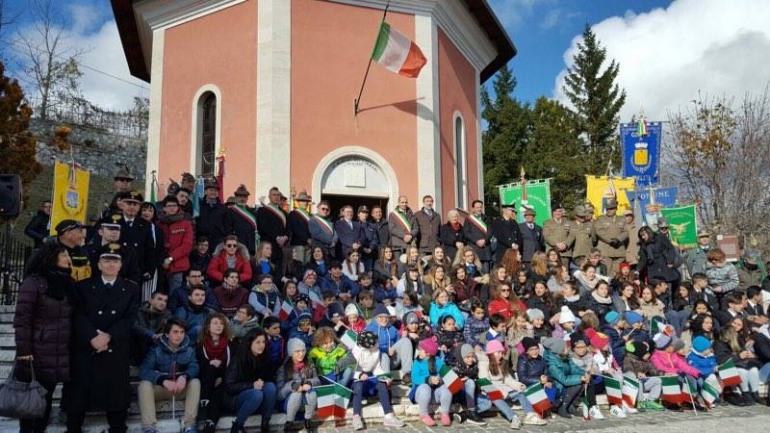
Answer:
(669, 51)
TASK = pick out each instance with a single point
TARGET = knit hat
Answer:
(303, 298)
(411, 317)
(566, 315)
(661, 341)
(305, 315)
(598, 340)
(351, 309)
(367, 339)
(429, 345)
(391, 311)
(466, 349)
(535, 313)
(555, 345)
(294, 345)
(611, 318)
(380, 310)
(678, 344)
(701, 343)
(494, 346)
(632, 317)
(528, 342)
(637, 348)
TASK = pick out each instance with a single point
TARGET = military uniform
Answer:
(556, 232)
(611, 239)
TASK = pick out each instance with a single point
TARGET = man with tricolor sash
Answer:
(403, 226)
(478, 232)
(322, 233)
(241, 220)
(272, 222)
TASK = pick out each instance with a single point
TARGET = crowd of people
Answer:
(248, 310)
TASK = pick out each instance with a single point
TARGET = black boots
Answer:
(237, 428)
(567, 400)
(264, 426)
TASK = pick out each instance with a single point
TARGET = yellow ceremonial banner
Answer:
(601, 188)
(70, 194)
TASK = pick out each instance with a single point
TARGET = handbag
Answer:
(23, 400)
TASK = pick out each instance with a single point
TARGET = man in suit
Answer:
(350, 233)
(106, 307)
(212, 214)
(299, 218)
(272, 222)
(479, 234)
(506, 230)
(135, 231)
(756, 314)
(403, 226)
(241, 221)
(429, 222)
(532, 236)
(322, 233)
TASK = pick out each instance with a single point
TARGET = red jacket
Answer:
(218, 265)
(178, 244)
(505, 308)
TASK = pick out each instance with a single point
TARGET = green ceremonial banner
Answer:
(682, 223)
(538, 197)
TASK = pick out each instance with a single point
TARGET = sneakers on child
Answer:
(533, 419)
(515, 423)
(474, 418)
(446, 420)
(358, 423)
(629, 410)
(392, 421)
(617, 412)
(595, 413)
(459, 417)
(428, 420)
(653, 405)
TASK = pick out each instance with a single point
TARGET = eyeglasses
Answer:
(323, 209)
(231, 245)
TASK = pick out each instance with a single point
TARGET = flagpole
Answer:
(369, 65)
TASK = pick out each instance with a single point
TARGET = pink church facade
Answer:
(272, 83)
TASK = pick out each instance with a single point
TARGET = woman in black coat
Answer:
(658, 257)
(250, 382)
(42, 326)
(451, 235)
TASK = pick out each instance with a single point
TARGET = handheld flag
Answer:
(672, 392)
(451, 379)
(489, 389)
(286, 310)
(709, 393)
(729, 374)
(397, 53)
(537, 397)
(333, 400)
(349, 339)
(614, 390)
(689, 392)
(630, 390)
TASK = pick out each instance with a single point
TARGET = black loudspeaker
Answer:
(10, 195)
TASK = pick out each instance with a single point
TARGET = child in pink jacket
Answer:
(668, 361)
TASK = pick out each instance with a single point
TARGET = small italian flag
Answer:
(398, 53)
(689, 391)
(489, 389)
(672, 392)
(614, 391)
(349, 339)
(333, 401)
(709, 393)
(537, 397)
(385, 377)
(630, 390)
(451, 380)
(286, 309)
(729, 374)
(641, 128)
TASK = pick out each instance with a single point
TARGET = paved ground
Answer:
(755, 418)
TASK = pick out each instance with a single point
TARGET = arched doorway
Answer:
(356, 176)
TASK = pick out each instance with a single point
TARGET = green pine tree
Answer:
(597, 101)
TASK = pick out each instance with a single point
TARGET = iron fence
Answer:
(13, 259)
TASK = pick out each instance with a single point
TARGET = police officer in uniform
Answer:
(506, 230)
(109, 234)
(109, 200)
(106, 308)
(611, 236)
(135, 231)
(582, 228)
(558, 233)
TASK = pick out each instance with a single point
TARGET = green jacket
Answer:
(327, 362)
(562, 370)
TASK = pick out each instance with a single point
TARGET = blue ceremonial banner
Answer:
(641, 154)
(650, 209)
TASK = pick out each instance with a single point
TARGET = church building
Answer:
(272, 84)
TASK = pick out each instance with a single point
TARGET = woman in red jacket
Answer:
(178, 242)
(505, 302)
(230, 254)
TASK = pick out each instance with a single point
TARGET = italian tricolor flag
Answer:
(537, 397)
(451, 379)
(630, 390)
(729, 374)
(672, 392)
(286, 310)
(349, 339)
(397, 52)
(489, 389)
(614, 391)
(709, 393)
(333, 401)
(689, 391)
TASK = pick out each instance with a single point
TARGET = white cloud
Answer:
(667, 56)
(106, 81)
(513, 13)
